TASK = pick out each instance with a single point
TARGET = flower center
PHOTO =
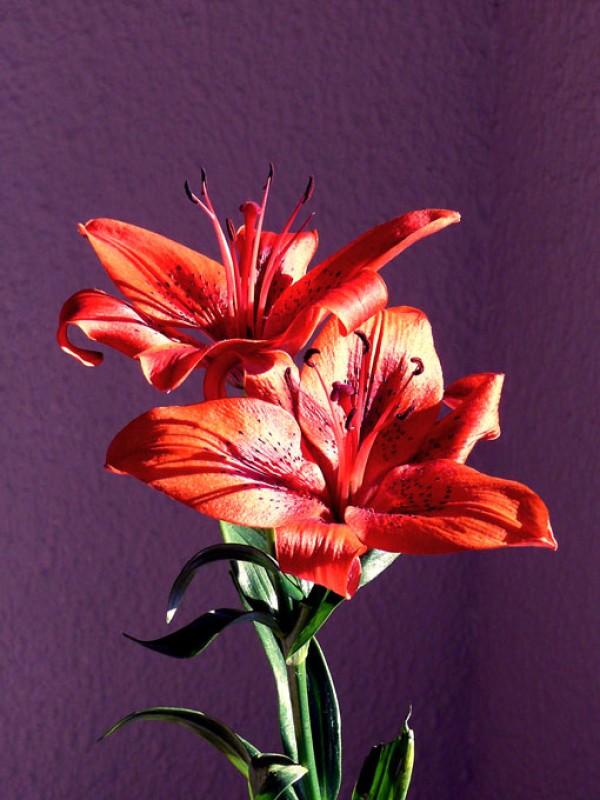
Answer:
(249, 272)
(349, 407)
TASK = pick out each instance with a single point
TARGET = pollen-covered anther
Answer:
(308, 356)
(419, 366)
(364, 339)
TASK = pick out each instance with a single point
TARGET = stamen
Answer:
(312, 351)
(349, 418)
(420, 368)
(276, 255)
(190, 195)
(230, 229)
(405, 414)
(233, 287)
(270, 175)
(364, 339)
(310, 187)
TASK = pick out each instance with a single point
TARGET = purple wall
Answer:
(487, 107)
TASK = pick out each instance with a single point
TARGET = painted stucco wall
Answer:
(487, 107)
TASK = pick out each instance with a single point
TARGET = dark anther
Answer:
(310, 187)
(203, 176)
(406, 413)
(419, 368)
(270, 175)
(312, 351)
(230, 229)
(349, 418)
(189, 193)
(363, 337)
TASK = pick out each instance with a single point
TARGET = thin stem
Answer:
(298, 685)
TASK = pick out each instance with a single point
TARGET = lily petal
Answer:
(168, 365)
(239, 460)
(474, 401)
(369, 252)
(107, 320)
(166, 281)
(445, 507)
(322, 552)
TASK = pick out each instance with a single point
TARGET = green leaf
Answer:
(325, 722)
(316, 610)
(387, 770)
(209, 555)
(236, 749)
(195, 637)
(373, 563)
(257, 585)
(271, 775)
(272, 648)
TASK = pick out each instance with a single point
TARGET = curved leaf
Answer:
(195, 637)
(272, 774)
(317, 608)
(325, 722)
(218, 552)
(258, 586)
(228, 742)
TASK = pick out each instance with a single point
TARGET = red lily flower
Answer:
(258, 300)
(354, 456)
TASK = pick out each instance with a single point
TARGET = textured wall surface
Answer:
(487, 107)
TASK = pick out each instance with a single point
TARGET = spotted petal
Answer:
(323, 286)
(240, 460)
(474, 416)
(165, 281)
(445, 507)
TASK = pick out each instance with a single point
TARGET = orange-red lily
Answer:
(353, 456)
(259, 299)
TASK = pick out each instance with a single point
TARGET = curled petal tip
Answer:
(82, 229)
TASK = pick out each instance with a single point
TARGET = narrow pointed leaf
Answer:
(319, 606)
(252, 585)
(325, 723)
(236, 749)
(387, 770)
(271, 775)
(209, 555)
(373, 563)
(195, 637)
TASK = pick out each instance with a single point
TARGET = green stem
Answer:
(298, 685)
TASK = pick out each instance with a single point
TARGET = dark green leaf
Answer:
(272, 648)
(373, 563)
(218, 552)
(256, 584)
(325, 722)
(222, 737)
(254, 587)
(271, 775)
(316, 610)
(387, 770)
(195, 637)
